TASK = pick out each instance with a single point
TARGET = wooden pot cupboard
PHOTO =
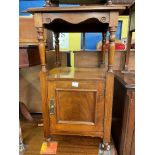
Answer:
(77, 101)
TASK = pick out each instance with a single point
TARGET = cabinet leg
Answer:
(104, 149)
(48, 139)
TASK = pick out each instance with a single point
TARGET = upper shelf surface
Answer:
(96, 8)
(77, 73)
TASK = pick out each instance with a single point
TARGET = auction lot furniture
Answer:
(123, 126)
(77, 101)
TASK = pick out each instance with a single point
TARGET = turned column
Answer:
(129, 39)
(40, 32)
(43, 82)
(131, 28)
(109, 89)
(103, 47)
(111, 52)
(43, 73)
(57, 49)
(127, 54)
(83, 41)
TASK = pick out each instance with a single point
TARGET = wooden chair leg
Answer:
(25, 112)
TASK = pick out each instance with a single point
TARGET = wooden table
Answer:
(61, 88)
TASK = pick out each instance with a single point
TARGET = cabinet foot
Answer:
(48, 139)
(104, 149)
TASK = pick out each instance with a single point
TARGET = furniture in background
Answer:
(77, 101)
(28, 48)
(123, 126)
(131, 29)
(28, 43)
(28, 56)
(29, 81)
(29, 63)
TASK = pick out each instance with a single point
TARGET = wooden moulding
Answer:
(95, 8)
(41, 39)
(74, 18)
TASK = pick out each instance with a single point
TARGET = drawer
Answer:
(90, 85)
(77, 84)
(74, 84)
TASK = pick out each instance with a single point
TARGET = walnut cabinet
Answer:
(77, 101)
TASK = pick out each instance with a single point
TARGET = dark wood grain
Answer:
(103, 49)
(128, 126)
(123, 126)
(57, 51)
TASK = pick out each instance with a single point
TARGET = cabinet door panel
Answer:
(77, 110)
(76, 106)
